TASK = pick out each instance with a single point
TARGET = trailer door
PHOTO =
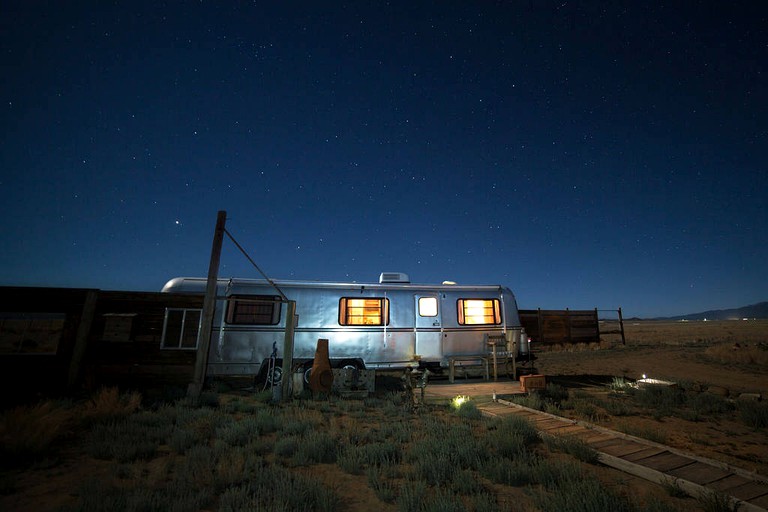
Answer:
(428, 328)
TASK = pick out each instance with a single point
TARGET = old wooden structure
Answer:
(62, 340)
(568, 327)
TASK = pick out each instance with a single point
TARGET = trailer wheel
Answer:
(308, 371)
(275, 376)
(351, 364)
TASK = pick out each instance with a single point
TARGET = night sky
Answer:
(583, 154)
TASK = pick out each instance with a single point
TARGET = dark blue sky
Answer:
(583, 155)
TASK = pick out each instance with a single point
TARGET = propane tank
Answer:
(525, 343)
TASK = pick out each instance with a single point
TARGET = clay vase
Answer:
(321, 377)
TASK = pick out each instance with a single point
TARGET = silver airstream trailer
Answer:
(390, 324)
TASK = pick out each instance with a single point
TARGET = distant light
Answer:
(644, 376)
(449, 282)
(178, 222)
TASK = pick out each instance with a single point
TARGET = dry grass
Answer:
(648, 332)
(28, 431)
(736, 353)
(109, 403)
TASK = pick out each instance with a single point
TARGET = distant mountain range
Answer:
(759, 310)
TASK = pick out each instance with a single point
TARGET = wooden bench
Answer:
(482, 359)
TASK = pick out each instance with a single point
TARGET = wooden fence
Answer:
(60, 340)
(568, 327)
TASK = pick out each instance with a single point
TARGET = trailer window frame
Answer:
(238, 314)
(181, 329)
(491, 314)
(350, 311)
(428, 307)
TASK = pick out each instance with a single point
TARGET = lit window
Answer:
(479, 312)
(370, 311)
(427, 306)
(181, 329)
(254, 310)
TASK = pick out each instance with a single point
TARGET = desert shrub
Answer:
(484, 502)
(619, 384)
(352, 459)
(239, 433)
(27, 432)
(298, 420)
(464, 407)
(510, 471)
(355, 434)
(586, 408)
(385, 489)
(230, 469)
(447, 448)
(286, 446)
(510, 436)
(412, 495)
(242, 407)
(652, 434)
(266, 422)
(126, 440)
(182, 439)
(712, 501)
(574, 446)
(707, 404)
(582, 494)
(753, 414)
(465, 483)
(199, 465)
(263, 396)
(395, 404)
(444, 501)
(398, 431)
(532, 401)
(661, 400)
(274, 488)
(204, 422)
(382, 454)
(109, 404)
(469, 411)
(755, 355)
(95, 495)
(616, 407)
(653, 504)
(316, 447)
(209, 399)
(431, 468)
(554, 393)
(552, 473)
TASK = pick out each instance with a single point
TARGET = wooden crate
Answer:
(531, 382)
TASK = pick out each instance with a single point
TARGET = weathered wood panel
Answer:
(561, 326)
(47, 345)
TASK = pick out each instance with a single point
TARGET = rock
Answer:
(719, 391)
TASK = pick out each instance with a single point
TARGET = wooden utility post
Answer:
(290, 326)
(209, 305)
(81, 338)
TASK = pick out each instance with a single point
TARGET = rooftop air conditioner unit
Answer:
(394, 277)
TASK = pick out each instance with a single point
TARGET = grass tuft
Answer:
(27, 432)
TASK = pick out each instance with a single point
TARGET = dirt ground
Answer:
(726, 358)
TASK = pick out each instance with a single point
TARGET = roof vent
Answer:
(394, 277)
